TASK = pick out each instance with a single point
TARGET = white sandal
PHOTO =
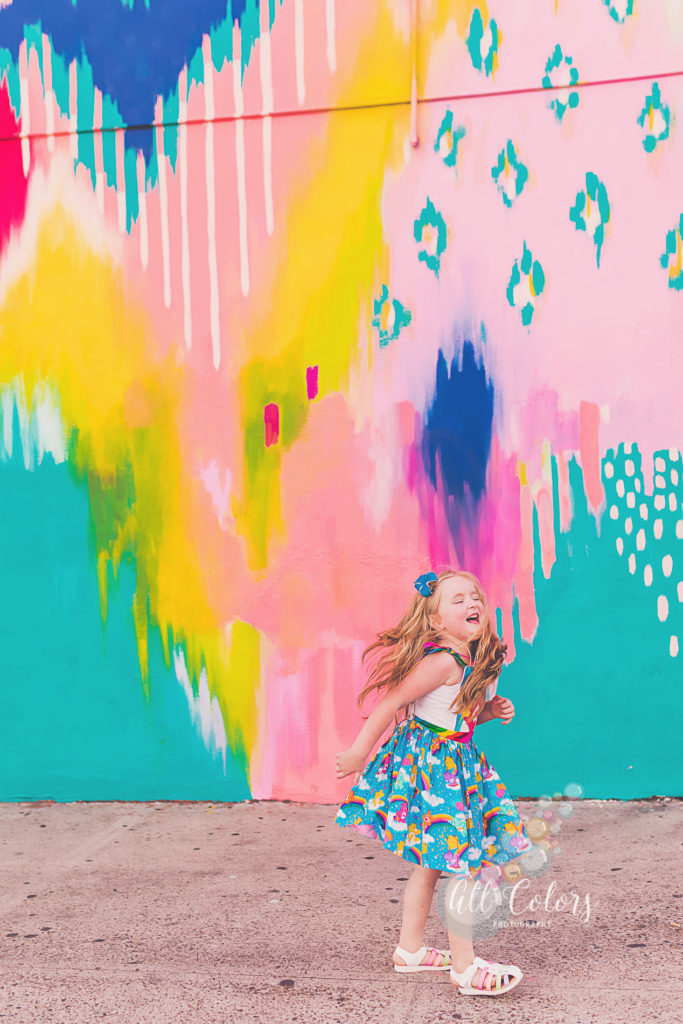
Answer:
(487, 967)
(413, 960)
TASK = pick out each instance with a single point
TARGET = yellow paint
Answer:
(331, 260)
(651, 116)
(521, 473)
(119, 403)
(675, 268)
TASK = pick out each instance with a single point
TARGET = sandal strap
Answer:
(412, 959)
(415, 959)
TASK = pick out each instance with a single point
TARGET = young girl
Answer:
(429, 794)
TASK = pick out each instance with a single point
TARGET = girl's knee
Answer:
(431, 874)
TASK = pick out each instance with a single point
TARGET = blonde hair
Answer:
(397, 651)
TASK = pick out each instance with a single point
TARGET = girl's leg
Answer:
(461, 901)
(417, 899)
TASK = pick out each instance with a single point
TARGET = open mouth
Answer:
(474, 618)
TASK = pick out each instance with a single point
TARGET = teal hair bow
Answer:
(422, 583)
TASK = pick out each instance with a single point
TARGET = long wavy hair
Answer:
(397, 651)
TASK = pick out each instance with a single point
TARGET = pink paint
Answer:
(589, 424)
(564, 492)
(271, 418)
(546, 529)
(311, 382)
(13, 191)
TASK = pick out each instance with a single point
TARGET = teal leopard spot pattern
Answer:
(655, 119)
(591, 211)
(483, 42)
(527, 282)
(430, 234)
(619, 10)
(390, 317)
(447, 140)
(509, 173)
(560, 74)
(671, 257)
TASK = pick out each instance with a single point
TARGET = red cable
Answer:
(228, 118)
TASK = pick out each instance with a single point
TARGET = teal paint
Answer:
(152, 166)
(11, 72)
(170, 117)
(85, 98)
(60, 81)
(221, 40)
(131, 183)
(75, 722)
(195, 70)
(588, 704)
(110, 117)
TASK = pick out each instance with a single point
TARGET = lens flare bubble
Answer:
(574, 790)
(565, 810)
(537, 828)
(513, 872)
(535, 862)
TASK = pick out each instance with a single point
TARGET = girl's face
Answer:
(460, 614)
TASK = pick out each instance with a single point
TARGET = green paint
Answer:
(75, 722)
(590, 691)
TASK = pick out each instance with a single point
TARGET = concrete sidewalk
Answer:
(269, 912)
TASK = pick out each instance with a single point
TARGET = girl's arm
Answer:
(426, 676)
(486, 715)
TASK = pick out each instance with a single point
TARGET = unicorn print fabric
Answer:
(431, 796)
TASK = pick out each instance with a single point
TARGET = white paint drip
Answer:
(185, 234)
(163, 200)
(209, 113)
(240, 157)
(299, 50)
(265, 65)
(142, 207)
(73, 108)
(120, 151)
(99, 151)
(49, 94)
(40, 428)
(25, 109)
(204, 709)
(331, 35)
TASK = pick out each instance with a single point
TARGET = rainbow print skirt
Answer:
(436, 801)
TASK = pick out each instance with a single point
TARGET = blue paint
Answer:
(457, 431)
(75, 722)
(136, 54)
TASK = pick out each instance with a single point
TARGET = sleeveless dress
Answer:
(431, 796)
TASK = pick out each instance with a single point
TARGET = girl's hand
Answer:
(501, 707)
(349, 761)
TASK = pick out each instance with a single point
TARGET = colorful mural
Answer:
(264, 359)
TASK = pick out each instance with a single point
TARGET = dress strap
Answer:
(432, 650)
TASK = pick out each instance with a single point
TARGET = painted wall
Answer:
(262, 362)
